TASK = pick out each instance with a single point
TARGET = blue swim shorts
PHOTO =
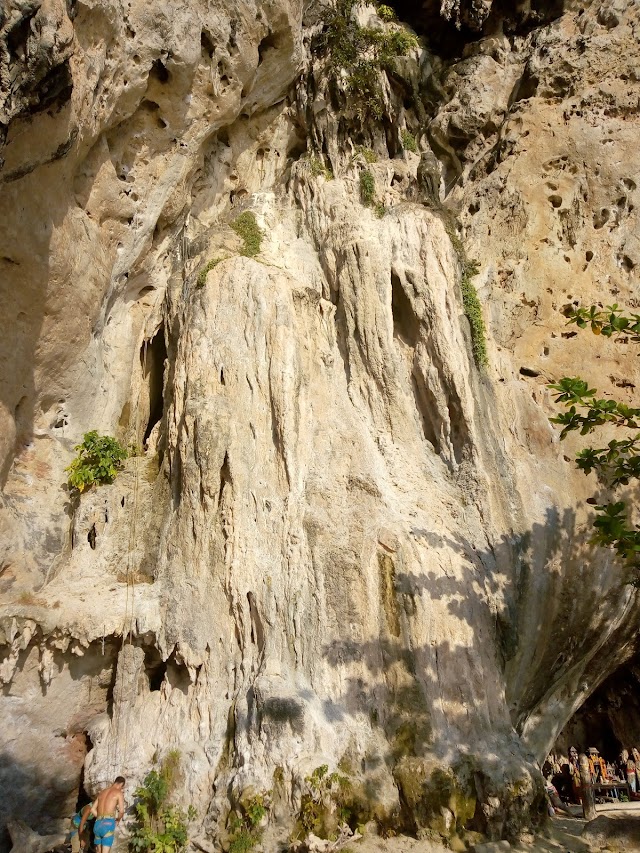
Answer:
(103, 831)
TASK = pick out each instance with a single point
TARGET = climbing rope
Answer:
(118, 744)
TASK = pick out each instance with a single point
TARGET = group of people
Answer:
(562, 774)
(105, 812)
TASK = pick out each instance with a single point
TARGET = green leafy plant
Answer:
(386, 13)
(361, 52)
(324, 797)
(409, 142)
(245, 824)
(367, 188)
(248, 229)
(380, 209)
(159, 826)
(367, 154)
(318, 168)
(99, 459)
(617, 463)
(202, 274)
(473, 311)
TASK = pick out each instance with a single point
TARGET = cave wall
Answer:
(342, 541)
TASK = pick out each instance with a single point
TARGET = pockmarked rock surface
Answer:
(341, 541)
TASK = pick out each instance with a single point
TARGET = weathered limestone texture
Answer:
(341, 541)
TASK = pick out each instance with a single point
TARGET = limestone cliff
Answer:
(343, 541)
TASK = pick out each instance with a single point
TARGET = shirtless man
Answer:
(109, 811)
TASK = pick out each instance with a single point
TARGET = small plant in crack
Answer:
(202, 274)
(368, 155)
(246, 823)
(473, 310)
(367, 188)
(409, 142)
(317, 167)
(246, 227)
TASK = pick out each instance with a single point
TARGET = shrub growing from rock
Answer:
(99, 459)
(248, 229)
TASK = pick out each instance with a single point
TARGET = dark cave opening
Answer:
(171, 670)
(448, 41)
(153, 356)
(406, 325)
(154, 667)
(610, 718)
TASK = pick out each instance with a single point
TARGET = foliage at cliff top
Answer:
(99, 459)
(618, 462)
(361, 52)
(159, 826)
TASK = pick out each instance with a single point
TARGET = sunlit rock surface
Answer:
(343, 542)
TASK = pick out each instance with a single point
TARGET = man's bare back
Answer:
(109, 803)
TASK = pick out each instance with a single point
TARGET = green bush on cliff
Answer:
(386, 13)
(324, 805)
(473, 310)
(99, 459)
(361, 52)
(159, 826)
(409, 142)
(367, 188)
(245, 824)
(248, 229)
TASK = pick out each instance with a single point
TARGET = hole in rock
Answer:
(269, 42)
(175, 673)
(425, 404)
(206, 45)
(18, 36)
(406, 324)
(159, 72)
(626, 263)
(153, 356)
(257, 629)
(529, 371)
(225, 476)
(154, 667)
(91, 537)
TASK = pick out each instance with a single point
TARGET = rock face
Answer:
(343, 542)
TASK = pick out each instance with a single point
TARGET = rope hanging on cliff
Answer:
(129, 610)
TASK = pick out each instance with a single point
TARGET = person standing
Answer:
(631, 772)
(108, 809)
